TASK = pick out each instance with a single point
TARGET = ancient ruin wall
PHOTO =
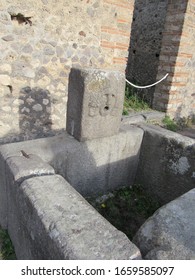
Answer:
(145, 44)
(176, 96)
(38, 50)
(146, 37)
(162, 41)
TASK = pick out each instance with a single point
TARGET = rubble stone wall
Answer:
(40, 42)
(162, 41)
(145, 44)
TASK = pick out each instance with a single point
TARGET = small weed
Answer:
(6, 247)
(127, 208)
(170, 124)
(133, 102)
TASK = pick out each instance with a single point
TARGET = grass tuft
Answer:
(127, 208)
(132, 101)
(170, 124)
(6, 247)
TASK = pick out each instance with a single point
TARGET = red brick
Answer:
(120, 3)
(187, 55)
(178, 63)
(122, 45)
(176, 101)
(177, 84)
(122, 20)
(119, 60)
(114, 45)
(111, 30)
(181, 74)
(173, 92)
(107, 44)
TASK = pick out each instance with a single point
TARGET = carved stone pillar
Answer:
(95, 103)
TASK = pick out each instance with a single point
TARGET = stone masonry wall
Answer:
(145, 44)
(177, 95)
(37, 53)
(146, 38)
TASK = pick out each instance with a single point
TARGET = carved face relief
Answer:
(101, 105)
(108, 104)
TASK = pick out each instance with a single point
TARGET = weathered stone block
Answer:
(48, 219)
(170, 232)
(92, 167)
(166, 163)
(16, 168)
(3, 196)
(23, 167)
(95, 102)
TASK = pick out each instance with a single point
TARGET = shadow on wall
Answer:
(35, 112)
(95, 168)
(35, 119)
(145, 45)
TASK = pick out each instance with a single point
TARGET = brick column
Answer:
(176, 95)
(115, 31)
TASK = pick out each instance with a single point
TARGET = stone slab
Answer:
(98, 166)
(50, 220)
(95, 103)
(166, 165)
(170, 233)
(189, 132)
(3, 194)
(153, 116)
(28, 165)
(18, 168)
(91, 167)
(142, 117)
(133, 119)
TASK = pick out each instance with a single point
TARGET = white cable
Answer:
(148, 85)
